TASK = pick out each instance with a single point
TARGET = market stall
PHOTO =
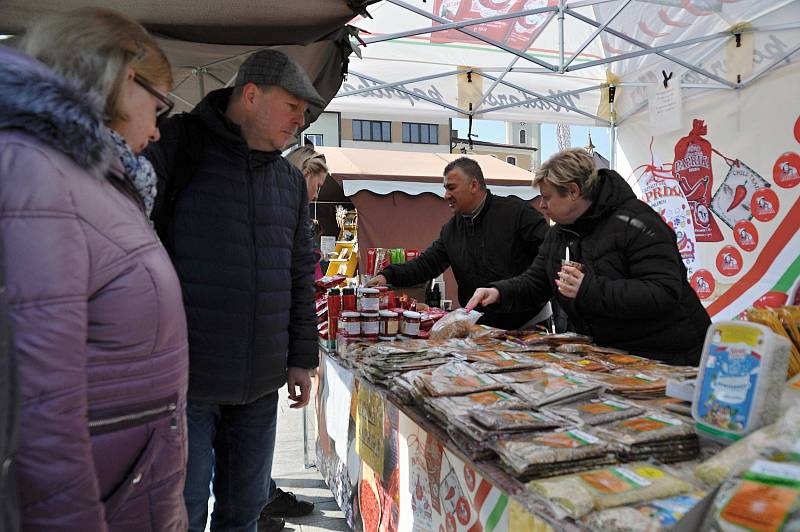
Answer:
(398, 195)
(525, 431)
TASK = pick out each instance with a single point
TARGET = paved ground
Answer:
(291, 474)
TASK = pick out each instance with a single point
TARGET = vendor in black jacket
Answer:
(632, 292)
(488, 239)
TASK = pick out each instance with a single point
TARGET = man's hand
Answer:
(483, 296)
(298, 377)
(378, 280)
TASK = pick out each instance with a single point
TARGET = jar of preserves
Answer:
(369, 324)
(410, 324)
(389, 325)
(370, 300)
(350, 324)
(383, 297)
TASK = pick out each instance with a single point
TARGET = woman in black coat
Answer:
(630, 291)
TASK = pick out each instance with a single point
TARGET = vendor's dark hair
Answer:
(470, 167)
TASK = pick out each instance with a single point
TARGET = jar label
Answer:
(370, 304)
(369, 327)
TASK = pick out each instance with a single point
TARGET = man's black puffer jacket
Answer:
(500, 242)
(634, 294)
(240, 243)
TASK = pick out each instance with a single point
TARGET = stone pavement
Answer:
(291, 475)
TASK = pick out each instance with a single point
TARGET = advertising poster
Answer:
(736, 163)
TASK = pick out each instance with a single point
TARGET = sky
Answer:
(495, 131)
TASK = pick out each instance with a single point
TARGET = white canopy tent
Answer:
(554, 60)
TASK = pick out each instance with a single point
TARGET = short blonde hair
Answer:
(308, 161)
(95, 46)
(569, 166)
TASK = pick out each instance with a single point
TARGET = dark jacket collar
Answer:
(470, 219)
(211, 110)
(56, 111)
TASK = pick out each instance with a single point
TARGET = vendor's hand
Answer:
(378, 280)
(569, 281)
(484, 297)
(298, 377)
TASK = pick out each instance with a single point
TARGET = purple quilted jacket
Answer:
(98, 320)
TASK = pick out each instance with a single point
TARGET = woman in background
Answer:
(95, 305)
(315, 171)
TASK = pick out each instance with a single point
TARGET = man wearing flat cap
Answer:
(233, 216)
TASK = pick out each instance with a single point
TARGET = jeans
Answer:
(233, 444)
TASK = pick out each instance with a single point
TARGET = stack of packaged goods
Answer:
(652, 435)
(554, 385)
(553, 453)
(577, 494)
(587, 427)
(595, 411)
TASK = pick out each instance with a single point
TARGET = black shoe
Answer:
(269, 524)
(285, 504)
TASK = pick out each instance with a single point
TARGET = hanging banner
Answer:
(746, 224)
(663, 193)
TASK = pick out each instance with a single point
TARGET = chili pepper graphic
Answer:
(738, 196)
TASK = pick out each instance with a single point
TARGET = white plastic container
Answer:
(742, 374)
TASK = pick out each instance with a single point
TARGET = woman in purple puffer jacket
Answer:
(95, 305)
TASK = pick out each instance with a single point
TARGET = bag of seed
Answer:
(595, 411)
(765, 498)
(609, 487)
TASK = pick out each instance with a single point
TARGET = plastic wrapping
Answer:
(552, 452)
(457, 378)
(555, 386)
(776, 440)
(652, 516)
(456, 324)
(609, 487)
(766, 497)
(595, 411)
(513, 420)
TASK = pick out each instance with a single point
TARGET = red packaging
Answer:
(370, 267)
(411, 254)
(692, 169)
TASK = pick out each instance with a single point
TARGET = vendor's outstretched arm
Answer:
(430, 264)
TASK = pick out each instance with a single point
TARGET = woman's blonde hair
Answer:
(308, 161)
(95, 46)
(569, 166)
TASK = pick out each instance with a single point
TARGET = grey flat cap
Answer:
(272, 67)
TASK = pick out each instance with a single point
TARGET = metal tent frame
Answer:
(523, 62)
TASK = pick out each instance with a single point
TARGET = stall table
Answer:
(390, 467)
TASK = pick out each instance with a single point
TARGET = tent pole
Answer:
(201, 82)
(613, 148)
(592, 37)
(654, 50)
(396, 83)
(644, 46)
(561, 36)
(769, 67)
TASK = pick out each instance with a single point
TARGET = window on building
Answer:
(511, 160)
(414, 133)
(314, 138)
(372, 130)
(522, 136)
